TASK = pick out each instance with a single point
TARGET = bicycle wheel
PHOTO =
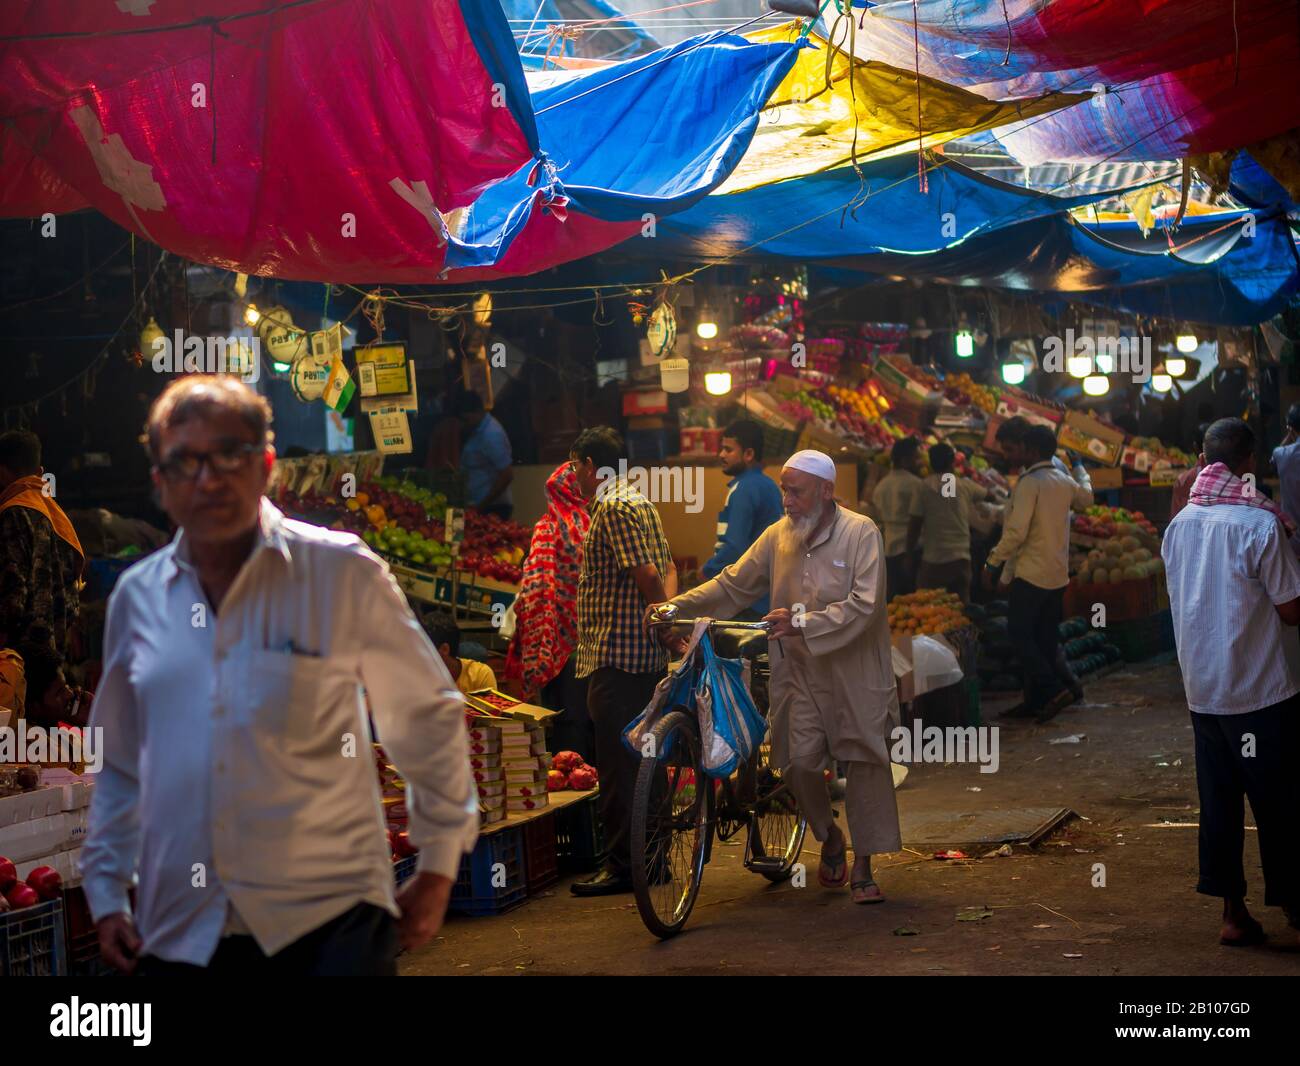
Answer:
(671, 810)
(776, 829)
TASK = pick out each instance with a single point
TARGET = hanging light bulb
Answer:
(1176, 367)
(965, 342)
(1079, 366)
(706, 330)
(1013, 373)
(674, 375)
(717, 382)
(1096, 385)
(1161, 382)
(1105, 363)
(1186, 343)
(252, 314)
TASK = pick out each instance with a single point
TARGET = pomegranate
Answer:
(566, 761)
(45, 882)
(582, 778)
(556, 780)
(8, 874)
(20, 896)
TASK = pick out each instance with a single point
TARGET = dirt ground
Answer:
(1133, 769)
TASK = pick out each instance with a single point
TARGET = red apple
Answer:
(8, 874)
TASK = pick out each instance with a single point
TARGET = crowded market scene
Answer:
(581, 487)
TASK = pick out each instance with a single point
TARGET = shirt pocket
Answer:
(282, 694)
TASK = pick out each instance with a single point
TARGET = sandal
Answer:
(867, 897)
(836, 862)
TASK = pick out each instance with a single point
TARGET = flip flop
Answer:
(879, 896)
(840, 862)
(1253, 936)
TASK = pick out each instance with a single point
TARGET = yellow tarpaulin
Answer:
(808, 128)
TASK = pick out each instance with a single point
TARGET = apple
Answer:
(8, 874)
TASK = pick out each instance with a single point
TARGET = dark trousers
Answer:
(1250, 755)
(898, 575)
(361, 942)
(571, 729)
(1033, 618)
(614, 698)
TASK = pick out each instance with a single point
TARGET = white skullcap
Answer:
(818, 464)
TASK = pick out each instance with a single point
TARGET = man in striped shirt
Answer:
(1234, 589)
(626, 566)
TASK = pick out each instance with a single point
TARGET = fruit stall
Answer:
(538, 811)
(440, 553)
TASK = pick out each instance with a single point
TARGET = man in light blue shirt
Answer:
(1234, 589)
(753, 501)
(486, 458)
(1286, 459)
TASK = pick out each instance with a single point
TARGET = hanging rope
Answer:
(922, 181)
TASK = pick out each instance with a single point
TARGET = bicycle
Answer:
(677, 808)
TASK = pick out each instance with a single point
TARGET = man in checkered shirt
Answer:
(626, 566)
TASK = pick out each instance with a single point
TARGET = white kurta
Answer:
(832, 690)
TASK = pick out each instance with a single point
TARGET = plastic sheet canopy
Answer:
(322, 141)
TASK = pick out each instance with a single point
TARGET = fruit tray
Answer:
(32, 941)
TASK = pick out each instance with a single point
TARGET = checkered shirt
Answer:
(625, 533)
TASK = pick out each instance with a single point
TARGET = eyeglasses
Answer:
(185, 466)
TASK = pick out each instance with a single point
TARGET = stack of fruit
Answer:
(420, 547)
(1118, 559)
(1102, 522)
(859, 417)
(568, 771)
(494, 547)
(929, 611)
(42, 884)
(1175, 457)
(963, 389)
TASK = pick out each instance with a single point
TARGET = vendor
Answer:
(470, 675)
(892, 503)
(486, 458)
(832, 682)
(753, 502)
(940, 525)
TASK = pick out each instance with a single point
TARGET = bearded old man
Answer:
(832, 681)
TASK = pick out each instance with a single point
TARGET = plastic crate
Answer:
(541, 864)
(580, 837)
(404, 869)
(33, 941)
(84, 959)
(497, 853)
(1136, 640)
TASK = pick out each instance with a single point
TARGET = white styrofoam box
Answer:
(76, 789)
(26, 806)
(39, 836)
(77, 823)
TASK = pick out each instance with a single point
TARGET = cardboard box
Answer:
(1088, 436)
(527, 803)
(76, 789)
(1106, 477)
(1164, 476)
(495, 773)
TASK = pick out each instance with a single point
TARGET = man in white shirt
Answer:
(1036, 544)
(1234, 589)
(1286, 460)
(892, 502)
(238, 781)
(939, 525)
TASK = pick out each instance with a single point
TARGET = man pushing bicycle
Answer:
(832, 686)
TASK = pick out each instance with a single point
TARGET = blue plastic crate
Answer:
(32, 941)
(404, 869)
(501, 852)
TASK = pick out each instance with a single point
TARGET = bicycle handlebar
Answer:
(659, 622)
